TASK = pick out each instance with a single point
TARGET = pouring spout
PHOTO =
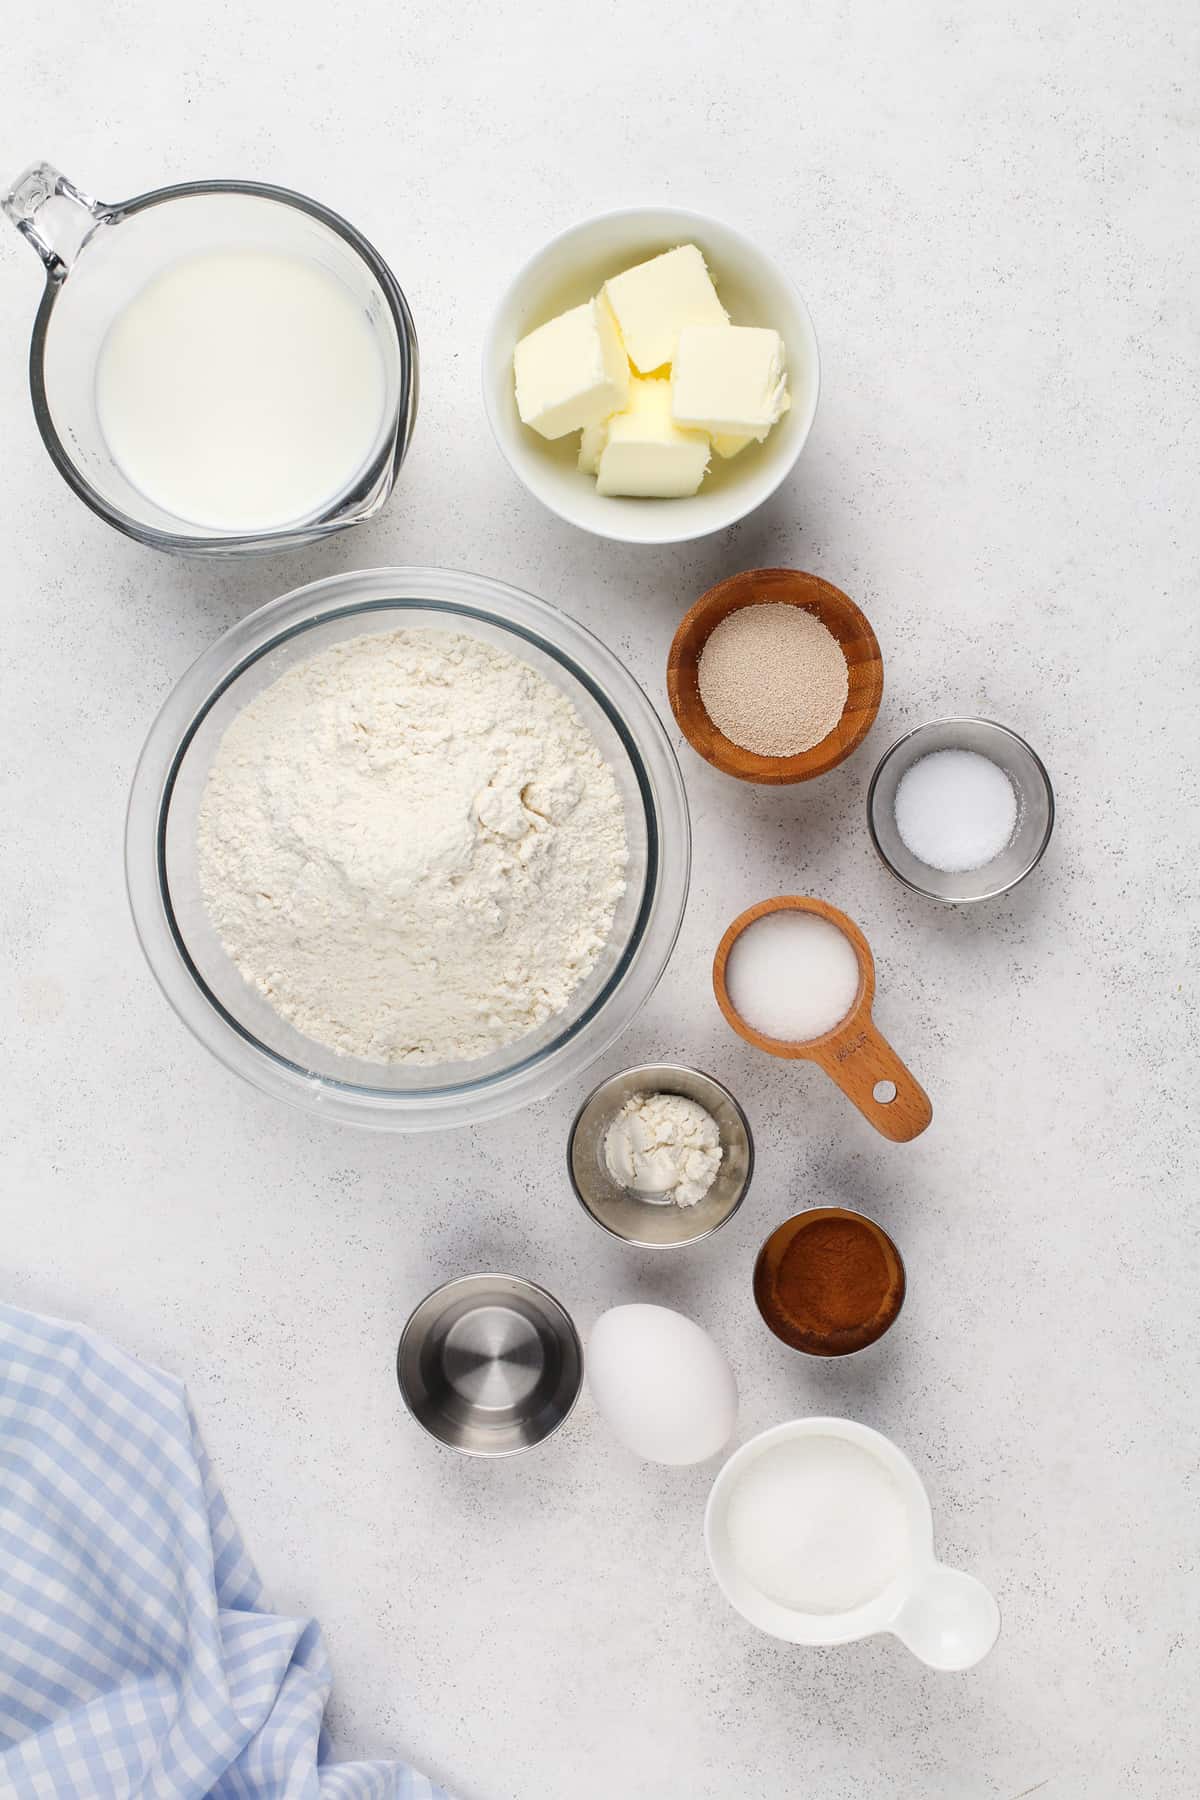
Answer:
(53, 215)
(950, 1620)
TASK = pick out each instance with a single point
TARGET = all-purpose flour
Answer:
(412, 846)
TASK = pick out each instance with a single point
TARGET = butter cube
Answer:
(646, 454)
(571, 372)
(728, 445)
(654, 301)
(591, 443)
(729, 381)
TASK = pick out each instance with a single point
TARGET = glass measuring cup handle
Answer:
(949, 1620)
(57, 232)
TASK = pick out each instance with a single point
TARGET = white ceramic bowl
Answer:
(568, 271)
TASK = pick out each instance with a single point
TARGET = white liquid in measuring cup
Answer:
(792, 975)
(241, 389)
(818, 1525)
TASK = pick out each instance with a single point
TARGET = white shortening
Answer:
(664, 1145)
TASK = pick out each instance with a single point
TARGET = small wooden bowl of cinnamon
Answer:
(840, 617)
(829, 1282)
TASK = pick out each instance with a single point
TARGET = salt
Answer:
(818, 1525)
(792, 976)
(955, 810)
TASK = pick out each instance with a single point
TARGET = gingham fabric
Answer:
(137, 1654)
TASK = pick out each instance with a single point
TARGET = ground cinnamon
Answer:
(829, 1282)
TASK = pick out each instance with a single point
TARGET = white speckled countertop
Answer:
(992, 220)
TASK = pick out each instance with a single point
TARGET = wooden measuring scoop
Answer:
(853, 1054)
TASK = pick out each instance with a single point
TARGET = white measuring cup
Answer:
(97, 256)
(945, 1617)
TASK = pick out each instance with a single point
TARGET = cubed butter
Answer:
(656, 300)
(646, 455)
(730, 381)
(591, 444)
(571, 372)
(728, 446)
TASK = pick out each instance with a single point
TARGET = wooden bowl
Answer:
(784, 587)
(855, 1055)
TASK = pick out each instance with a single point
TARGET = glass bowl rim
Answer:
(518, 614)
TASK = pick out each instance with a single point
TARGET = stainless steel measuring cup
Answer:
(490, 1364)
(98, 256)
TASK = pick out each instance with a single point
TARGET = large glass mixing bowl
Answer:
(238, 1024)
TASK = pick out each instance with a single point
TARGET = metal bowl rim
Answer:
(680, 1069)
(555, 1307)
(917, 731)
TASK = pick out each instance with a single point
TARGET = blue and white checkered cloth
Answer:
(137, 1655)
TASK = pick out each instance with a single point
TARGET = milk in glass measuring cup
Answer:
(219, 366)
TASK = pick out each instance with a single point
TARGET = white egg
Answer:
(661, 1384)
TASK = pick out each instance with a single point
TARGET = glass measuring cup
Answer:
(98, 256)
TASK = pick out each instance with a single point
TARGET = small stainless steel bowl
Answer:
(490, 1364)
(1035, 809)
(648, 1222)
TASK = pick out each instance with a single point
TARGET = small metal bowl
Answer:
(1035, 809)
(644, 1220)
(490, 1364)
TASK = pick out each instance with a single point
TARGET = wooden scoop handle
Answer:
(857, 1058)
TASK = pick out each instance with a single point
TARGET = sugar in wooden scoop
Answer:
(792, 975)
(773, 678)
